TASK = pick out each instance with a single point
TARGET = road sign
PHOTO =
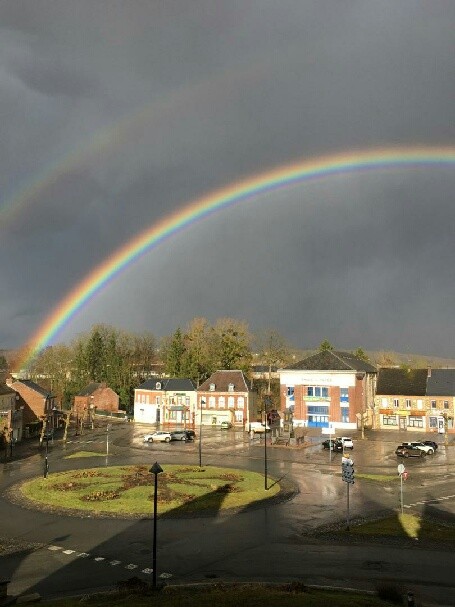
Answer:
(347, 470)
(401, 468)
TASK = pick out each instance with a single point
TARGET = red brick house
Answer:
(225, 397)
(95, 396)
(37, 402)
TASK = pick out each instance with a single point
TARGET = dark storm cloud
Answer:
(136, 108)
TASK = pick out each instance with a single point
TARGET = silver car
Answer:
(160, 436)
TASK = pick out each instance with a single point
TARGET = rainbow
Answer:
(235, 193)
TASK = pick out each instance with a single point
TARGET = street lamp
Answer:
(46, 461)
(155, 469)
(200, 432)
(267, 403)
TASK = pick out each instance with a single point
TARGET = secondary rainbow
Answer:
(284, 176)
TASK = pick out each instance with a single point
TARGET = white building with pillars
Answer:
(165, 401)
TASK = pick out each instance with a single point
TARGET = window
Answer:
(221, 402)
(415, 422)
(384, 402)
(389, 420)
(212, 387)
(433, 422)
(239, 417)
(345, 415)
(344, 395)
(446, 404)
(318, 391)
(231, 401)
(315, 409)
(158, 385)
(290, 392)
(433, 404)
(230, 387)
(240, 402)
(408, 403)
(212, 402)
(419, 404)
(396, 403)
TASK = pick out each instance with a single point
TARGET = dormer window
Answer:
(212, 387)
(158, 385)
(230, 387)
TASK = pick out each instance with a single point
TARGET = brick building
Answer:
(162, 400)
(329, 389)
(95, 396)
(225, 397)
(36, 404)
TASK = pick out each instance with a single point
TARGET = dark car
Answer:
(184, 435)
(431, 443)
(409, 451)
(334, 445)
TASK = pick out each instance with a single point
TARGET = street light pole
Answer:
(155, 469)
(46, 461)
(200, 433)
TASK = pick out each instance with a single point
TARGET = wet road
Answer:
(77, 554)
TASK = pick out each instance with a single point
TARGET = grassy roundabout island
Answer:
(128, 490)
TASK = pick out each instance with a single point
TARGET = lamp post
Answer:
(200, 432)
(46, 461)
(107, 438)
(267, 403)
(155, 469)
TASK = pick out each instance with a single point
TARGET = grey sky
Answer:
(206, 93)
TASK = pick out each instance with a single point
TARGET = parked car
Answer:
(431, 443)
(409, 451)
(160, 436)
(226, 425)
(184, 435)
(259, 427)
(333, 444)
(346, 441)
(429, 450)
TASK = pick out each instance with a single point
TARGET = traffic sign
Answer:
(401, 468)
(347, 470)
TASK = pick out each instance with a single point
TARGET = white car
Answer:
(159, 437)
(346, 441)
(428, 449)
(259, 427)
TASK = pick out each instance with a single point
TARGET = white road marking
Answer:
(69, 551)
(147, 570)
(54, 547)
(114, 563)
(83, 555)
(98, 559)
(131, 566)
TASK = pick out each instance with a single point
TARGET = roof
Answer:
(35, 387)
(90, 389)
(222, 379)
(441, 382)
(330, 360)
(405, 382)
(169, 384)
(4, 389)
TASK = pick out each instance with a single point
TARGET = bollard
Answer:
(410, 600)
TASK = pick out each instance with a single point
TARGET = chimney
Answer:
(429, 372)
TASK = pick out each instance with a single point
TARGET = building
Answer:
(225, 397)
(440, 400)
(95, 397)
(11, 418)
(421, 400)
(329, 389)
(400, 401)
(36, 404)
(168, 400)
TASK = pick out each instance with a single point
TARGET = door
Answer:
(402, 423)
(158, 416)
(440, 426)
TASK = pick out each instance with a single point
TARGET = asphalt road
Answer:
(57, 554)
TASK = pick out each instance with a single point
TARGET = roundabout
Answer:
(128, 491)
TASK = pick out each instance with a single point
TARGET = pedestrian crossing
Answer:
(104, 560)
(433, 500)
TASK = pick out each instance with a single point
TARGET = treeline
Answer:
(123, 360)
